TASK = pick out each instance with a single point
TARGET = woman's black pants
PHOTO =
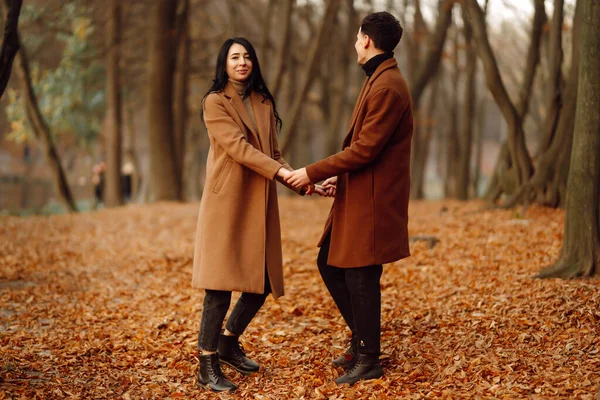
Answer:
(216, 304)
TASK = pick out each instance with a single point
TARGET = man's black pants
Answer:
(357, 294)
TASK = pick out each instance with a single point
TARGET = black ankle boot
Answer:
(365, 367)
(232, 353)
(210, 375)
(345, 361)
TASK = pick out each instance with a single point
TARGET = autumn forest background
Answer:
(95, 296)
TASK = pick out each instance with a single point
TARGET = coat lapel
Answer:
(238, 105)
(387, 64)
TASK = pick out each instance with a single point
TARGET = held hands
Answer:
(299, 178)
(283, 175)
(330, 186)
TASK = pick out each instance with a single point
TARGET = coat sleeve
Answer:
(384, 111)
(227, 133)
(279, 157)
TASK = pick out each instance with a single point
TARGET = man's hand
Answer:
(318, 189)
(330, 186)
(298, 178)
(310, 189)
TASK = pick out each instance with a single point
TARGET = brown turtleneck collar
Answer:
(239, 86)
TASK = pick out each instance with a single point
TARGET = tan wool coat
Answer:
(369, 217)
(238, 231)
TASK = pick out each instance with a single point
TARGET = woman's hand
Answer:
(283, 173)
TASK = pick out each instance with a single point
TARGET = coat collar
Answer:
(262, 113)
(384, 66)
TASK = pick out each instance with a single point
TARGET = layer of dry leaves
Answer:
(100, 306)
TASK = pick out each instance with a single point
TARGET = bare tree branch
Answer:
(10, 43)
(313, 57)
(435, 47)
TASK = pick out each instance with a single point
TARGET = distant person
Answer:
(98, 172)
(238, 238)
(127, 180)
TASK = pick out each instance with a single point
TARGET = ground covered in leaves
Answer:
(99, 305)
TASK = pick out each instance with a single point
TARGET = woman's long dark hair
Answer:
(254, 83)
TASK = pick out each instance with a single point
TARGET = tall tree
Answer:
(465, 141)
(264, 42)
(435, 47)
(453, 136)
(10, 42)
(422, 68)
(556, 79)
(313, 63)
(420, 154)
(113, 194)
(42, 133)
(181, 89)
(166, 184)
(580, 254)
(548, 184)
(339, 103)
(520, 167)
(281, 59)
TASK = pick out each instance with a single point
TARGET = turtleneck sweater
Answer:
(239, 88)
(370, 66)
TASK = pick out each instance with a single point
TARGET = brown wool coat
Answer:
(238, 230)
(369, 217)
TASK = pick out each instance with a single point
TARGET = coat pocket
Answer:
(222, 176)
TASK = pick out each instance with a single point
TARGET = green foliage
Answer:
(71, 97)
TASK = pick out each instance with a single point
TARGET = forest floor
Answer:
(99, 305)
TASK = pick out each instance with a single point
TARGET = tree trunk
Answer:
(533, 58)
(452, 143)
(466, 138)
(333, 142)
(550, 177)
(414, 42)
(282, 58)
(313, 63)
(580, 254)
(42, 132)
(10, 41)
(435, 47)
(26, 182)
(232, 11)
(555, 79)
(421, 156)
(180, 109)
(294, 157)
(166, 184)
(264, 43)
(481, 113)
(195, 161)
(112, 184)
(520, 160)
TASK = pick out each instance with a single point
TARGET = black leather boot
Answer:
(365, 367)
(210, 375)
(232, 353)
(345, 361)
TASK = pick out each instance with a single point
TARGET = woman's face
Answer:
(239, 65)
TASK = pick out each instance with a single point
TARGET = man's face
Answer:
(360, 46)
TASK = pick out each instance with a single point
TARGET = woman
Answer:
(238, 239)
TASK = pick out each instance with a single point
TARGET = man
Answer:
(370, 177)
